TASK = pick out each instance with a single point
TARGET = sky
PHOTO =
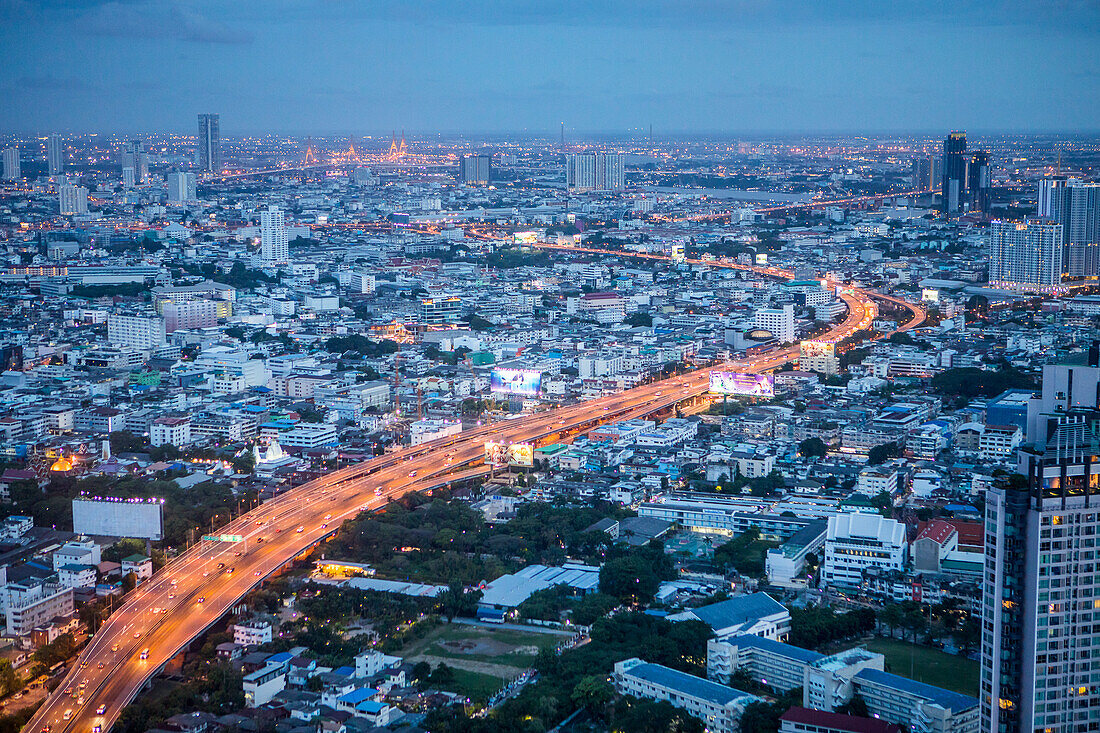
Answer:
(520, 66)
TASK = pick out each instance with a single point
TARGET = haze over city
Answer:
(515, 367)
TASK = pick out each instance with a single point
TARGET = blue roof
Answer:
(357, 696)
(345, 671)
(738, 611)
(370, 706)
(944, 698)
(778, 648)
(280, 657)
(688, 684)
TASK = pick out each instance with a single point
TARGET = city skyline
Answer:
(499, 67)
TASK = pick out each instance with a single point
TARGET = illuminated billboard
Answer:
(496, 454)
(527, 382)
(521, 454)
(525, 237)
(736, 383)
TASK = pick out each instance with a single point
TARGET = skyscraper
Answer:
(1076, 206)
(72, 200)
(609, 172)
(475, 169)
(209, 156)
(55, 154)
(181, 188)
(134, 156)
(274, 242)
(1041, 592)
(954, 173)
(1047, 187)
(1025, 256)
(979, 182)
(11, 164)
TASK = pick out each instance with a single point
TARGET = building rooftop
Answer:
(688, 684)
(946, 699)
(739, 611)
(837, 721)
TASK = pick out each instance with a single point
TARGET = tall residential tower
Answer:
(209, 156)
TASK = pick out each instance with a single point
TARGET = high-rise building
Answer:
(979, 182)
(138, 332)
(953, 190)
(594, 171)
(926, 172)
(127, 176)
(779, 322)
(72, 199)
(1026, 255)
(209, 156)
(55, 154)
(274, 241)
(134, 156)
(1047, 186)
(1041, 592)
(474, 169)
(181, 188)
(1076, 206)
(12, 171)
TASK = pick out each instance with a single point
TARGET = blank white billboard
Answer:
(139, 518)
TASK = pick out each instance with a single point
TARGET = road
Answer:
(170, 610)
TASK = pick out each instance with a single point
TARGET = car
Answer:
(114, 648)
(99, 666)
(300, 530)
(257, 573)
(328, 517)
(137, 634)
(101, 710)
(378, 491)
(206, 574)
(412, 474)
(46, 729)
(171, 596)
(97, 728)
(221, 565)
(324, 526)
(230, 571)
(202, 599)
(68, 715)
(145, 653)
(259, 539)
(80, 700)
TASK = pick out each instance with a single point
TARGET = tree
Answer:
(421, 671)
(857, 706)
(123, 441)
(639, 319)
(441, 676)
(455, 601)
(593, 692)
(632, 715)
(10, 681)
(813, 448)
(129, 582)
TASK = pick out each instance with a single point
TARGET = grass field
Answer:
(475, 685)
(509, 647)
(927, 665)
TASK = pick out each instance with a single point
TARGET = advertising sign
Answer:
(116, 517)
(736, 383)
(521, 454)
(496, 454)
(527, 382)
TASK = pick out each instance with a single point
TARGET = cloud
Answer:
(169, 21)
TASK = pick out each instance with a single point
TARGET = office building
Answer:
(953, 189)
(1041, 594)
(134, 156)
(859, 541)
(11, 164)
(208, 157)
(718, 706)
(196, 313)
(979, 182)
(128, 177)
(181, 188)
(55, 154)
(72, 200)
(137, 332)
(440, 310)
(779, 322)
(1076, 206)
(274, 242)
(1026, 256)
(594, 172)
(474, 170)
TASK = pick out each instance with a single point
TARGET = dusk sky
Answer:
(369, 66)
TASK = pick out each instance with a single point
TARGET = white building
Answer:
(181, 188)
(12, 169)
(274, 241)
(779, 322)
(33, 603)
(594, 172)
(859, 541)
(718, 706)
(599, 366)
(137, 332)
(170, 430)
(424, 431)
(1026, 256)
(875, 480)
(72, 200)
(252, 633)
(234, 362)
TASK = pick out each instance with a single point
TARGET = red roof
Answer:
(837, 721)
(938, 531)
(971, 534)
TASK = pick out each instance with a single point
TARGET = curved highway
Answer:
(171, 609)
